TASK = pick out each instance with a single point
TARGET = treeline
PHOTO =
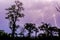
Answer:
(48, 32)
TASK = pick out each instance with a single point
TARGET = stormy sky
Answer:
(36, 11)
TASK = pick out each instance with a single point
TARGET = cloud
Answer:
(33, 11)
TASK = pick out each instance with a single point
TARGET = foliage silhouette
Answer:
(14, 12)
(29, 27)
(32, 27)
(45, 27)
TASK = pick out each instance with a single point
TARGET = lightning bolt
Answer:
(54, 17)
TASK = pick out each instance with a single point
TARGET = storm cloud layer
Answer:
(36, 11)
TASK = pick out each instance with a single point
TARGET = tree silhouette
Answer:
(3, 35)
(29, 27)
(45, 27)
(50, 31)
(14, 12)
(55, 29)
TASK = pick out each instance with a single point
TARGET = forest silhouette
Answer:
(15, 12)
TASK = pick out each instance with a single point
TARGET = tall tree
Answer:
(14, 12)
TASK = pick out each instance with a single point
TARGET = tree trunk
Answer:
(29, 33)
(13, 29)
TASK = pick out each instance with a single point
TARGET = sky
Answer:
(36, 11)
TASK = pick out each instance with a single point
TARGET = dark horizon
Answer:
(35, 12)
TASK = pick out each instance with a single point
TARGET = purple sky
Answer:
(34, 9)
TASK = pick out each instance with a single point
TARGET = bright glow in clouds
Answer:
(54, 17)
